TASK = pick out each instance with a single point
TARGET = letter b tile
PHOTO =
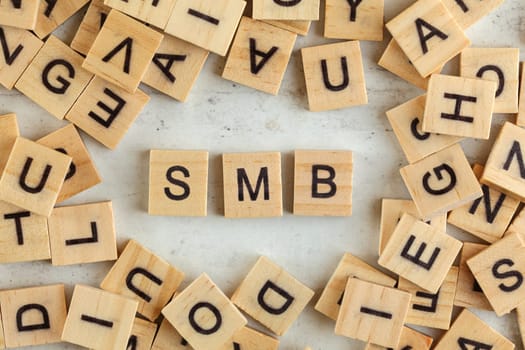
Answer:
(272, 296)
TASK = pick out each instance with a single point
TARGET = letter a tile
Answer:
(272, 296)
(420, 253)
(203, 315)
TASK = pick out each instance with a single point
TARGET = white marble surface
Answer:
(224, 117)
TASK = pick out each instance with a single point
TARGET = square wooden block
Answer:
(372, 313)
(468, 12)
(520, 119)
(410, 340)
(323, 183)
(406, 120)
(90, 26)
(252, 184)
(517, 224)
(122, 51)
(505, 169)
(82, 173)
(98, 319)
(468, 331)
(297, 27)
(487, 217)
(498, 270)
(21, 47)
(420, 253)
(52, 14)
(259, 55)
(391, 212)
(468, 291)
(175, 67)
(141, 275)
(459, 106)
(8, 134)
(433, 310)
(501, 65)
(286, 10)
(428, 35)
(178, 183)
(350, 266)
(168, 338)
(272, 296)
(19, 14)
(395, 61)
(207, 24)
(33, 176)
(334, 76)
(357, 20)
(106, 112)
(142, 335)
(203, 315)
(55, 78)
(441, 182)
(24, 235)
(155, 12)
(33, 316)
(248, 338)
(82, 234)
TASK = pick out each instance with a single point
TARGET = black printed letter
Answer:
(288, 299)
(490, 214)
(32, 327)
(326, 181)
(499, 73)
(439, 174)
(125, 44)
(145, 273)
(433, 31)
(50, 7)
(353, 9)
(9, 57)
(216, 313)
(64, 84)
(72, 166)
(509, 274)
(326, 79)
(457, 109)
(262, 179)
(433, 302)
(254, 66)
(38, 188)
(92, 239)
(186, 189)
(416, 259)
(166, 68)
(515, 150)
(287, 3)
(113, 113)
(464, 342)
(18, 224)
(416, 133)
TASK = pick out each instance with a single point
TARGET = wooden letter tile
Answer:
(428, 35)
(252, 184)
(468, 291)
(203, 315)
(517, 224)
(55, 78)
(520, 315)
(410, 340)
(248, 338)
(297, 27)
(432, 310)
(468, 12)
(51, 14)
(391, 212)
(24, 235)
(441, 182)
(90, 26)
(372, 313)
(349, 267)
(141, 275)
(406, 121)
(142, 335)
(18, 50)
(358, 20)
(286, 10)
(520, 119)
(178, 183)
(33, 176)
(334, 76)
(106, 112)
(82, 173)
(505, 170)
(8, 134)
(208, 24)
(499, 272)
(487, 217)
(272, 296)
(122, 51)
(469, 332)
(169, 339)
(33, 316)
(323, 183)
(98, 319)
(155, 12)
(501, 65)
(82, 234)
(259, 55)
(2, 339)
(23, 16)
(459, 106)
(420, 253)
(175, 67)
